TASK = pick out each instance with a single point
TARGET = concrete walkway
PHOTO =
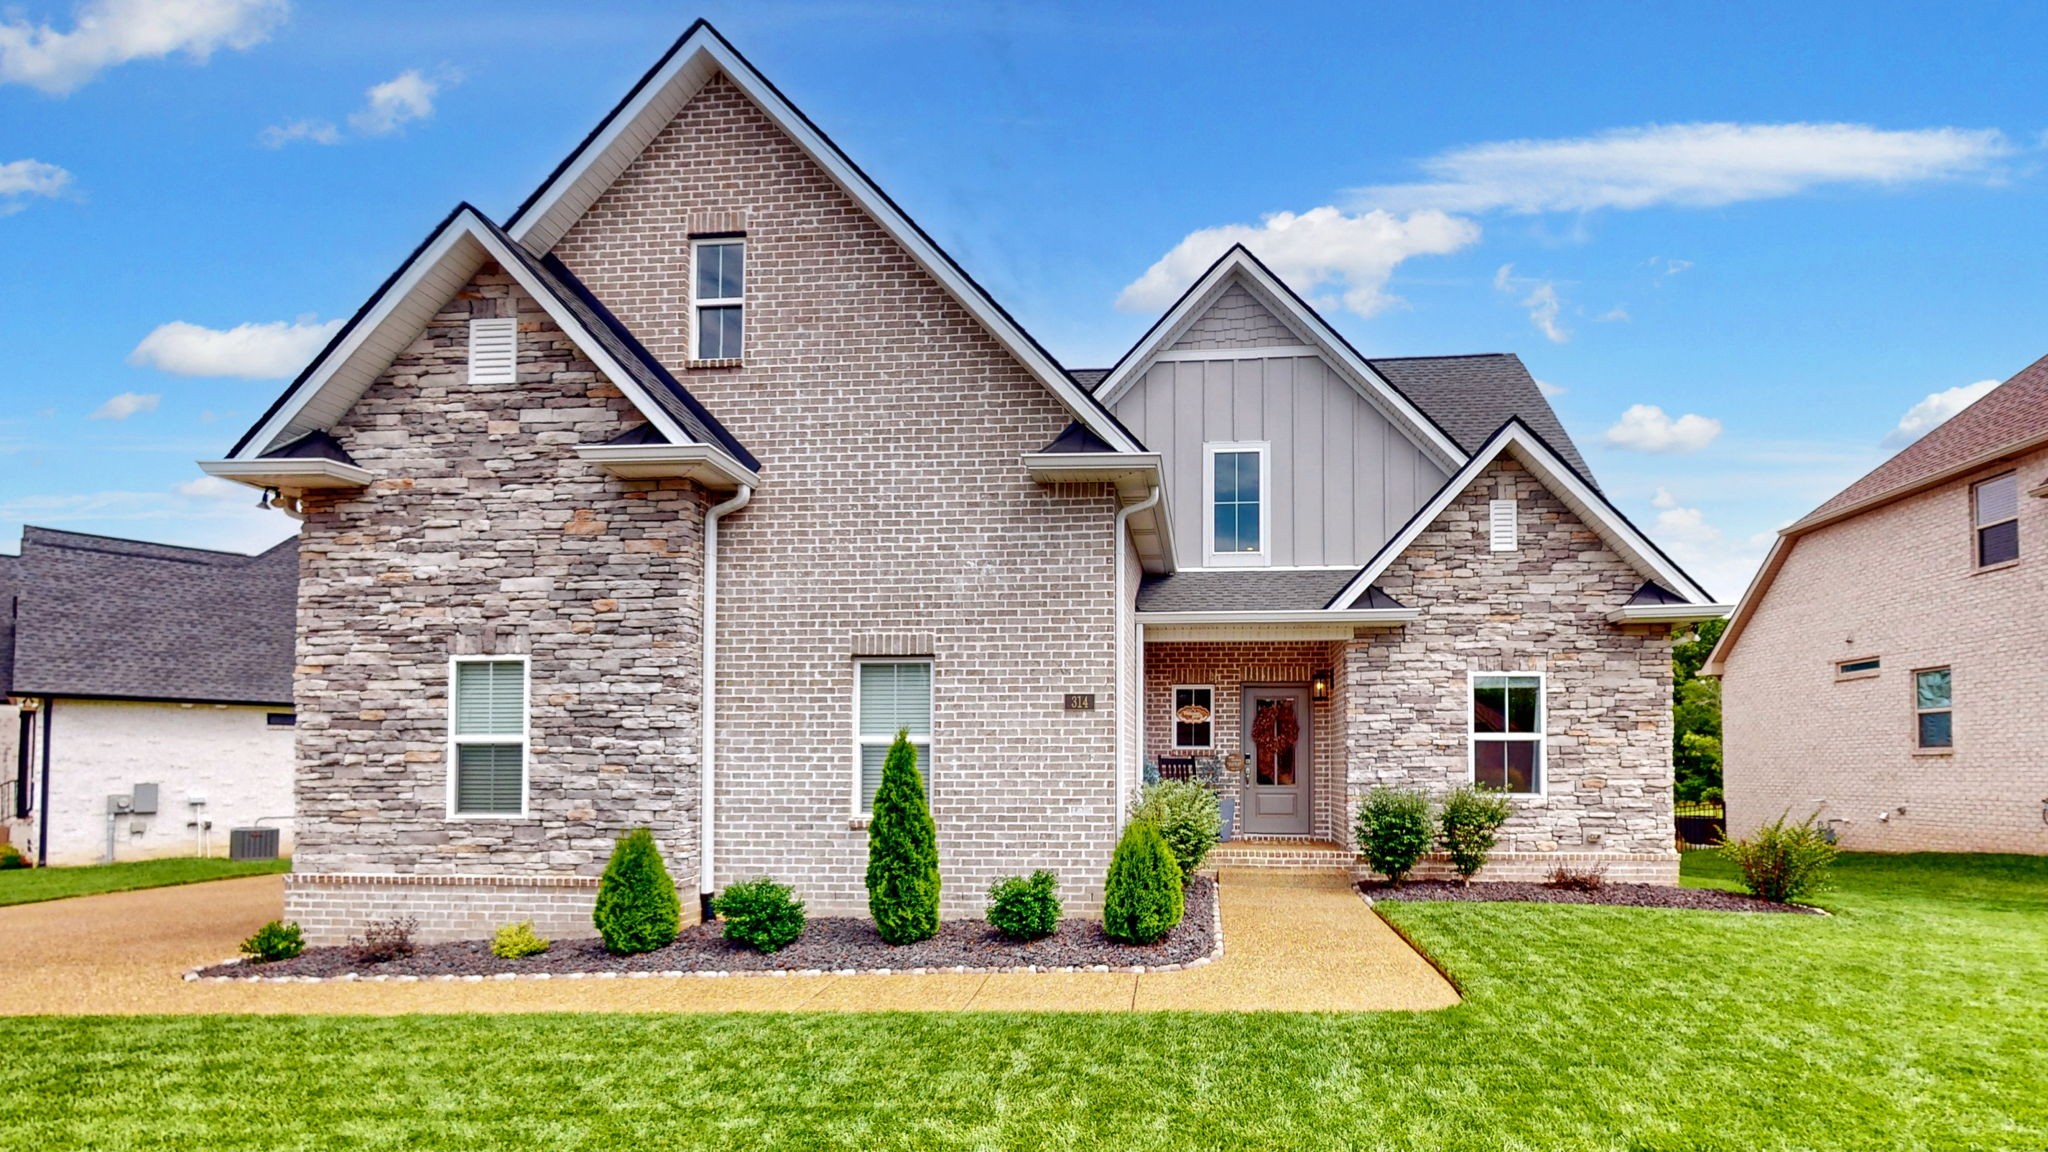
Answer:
(1293, 942)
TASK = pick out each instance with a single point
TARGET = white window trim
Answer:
(697, 305)
(860, 740)
(1173, 722)
(1264, 556)
(1977, 526)
(525, 739)
(1540, 737)
(503, 327)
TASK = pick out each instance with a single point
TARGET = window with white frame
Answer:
(488, 737)
(1235, 480)
(1194, 716)
(890, 696)
(718, 297)
(1507, 731)
(494, 351)
(1995, 506)
(1934, 709)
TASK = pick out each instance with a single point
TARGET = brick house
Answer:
(1883, 671)
(668, 501)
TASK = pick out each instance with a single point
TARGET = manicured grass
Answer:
(31, 885)
(1915, 1018)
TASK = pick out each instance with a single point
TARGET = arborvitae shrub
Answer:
(761, 914)
(903, 852)
(1187, 816)
(1142, 900)
(1394, 830)
(1471, 822)
(1025, 908)
(637, 907)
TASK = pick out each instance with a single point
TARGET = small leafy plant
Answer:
(11, 858)
(1394, 829)
(637, 906)
(1470, 824)
(384, 940)
(518, 941)
(1577, 879)
(1142, 899)
(1187, 816)
(1783, 862)
(760, 914)
(276, 940)
(1025, 907)
(903, 852)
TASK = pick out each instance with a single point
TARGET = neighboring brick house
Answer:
(668, 501)
(1884, 671)
(129, 669)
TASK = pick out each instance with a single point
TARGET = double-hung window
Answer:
(1194, 716)
(1507, 731)
(1934, 709)
(718, 297)
(488, 737)
(890, 696)
(1995, 506)
(1235, 482)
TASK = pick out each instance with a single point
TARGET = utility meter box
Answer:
(142, 800)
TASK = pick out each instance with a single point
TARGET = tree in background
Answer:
(1696, 713)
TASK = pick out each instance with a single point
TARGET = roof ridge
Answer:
(1445, 356)
(133, 543)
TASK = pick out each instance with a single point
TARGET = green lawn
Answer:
(1916, 1018)
(31, 885)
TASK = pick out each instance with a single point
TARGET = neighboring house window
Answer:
(1235, 483)
(890, 697)
(1997, 506)
(1194, 716)
(488, 737)
(281, 719)
(1853, 669)
(719, 298)
(1933, 709)
(494, 351)
(1507, 731)
(1501, 532)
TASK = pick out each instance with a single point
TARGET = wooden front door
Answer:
(1276, 774)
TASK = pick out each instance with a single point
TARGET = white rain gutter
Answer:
(708, 703)
(1123, 517)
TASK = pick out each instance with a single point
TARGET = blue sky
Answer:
(1742, 243)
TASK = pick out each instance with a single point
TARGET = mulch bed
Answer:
(1625, 895)
(829, 944)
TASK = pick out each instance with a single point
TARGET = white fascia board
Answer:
(700, 462)
(1668, 613)
(1238, 262)
(463, 229)
(1589, 505)
(292, 473)
(1348, 616)
(1215, 627)
(1085, 467)
(547, 218)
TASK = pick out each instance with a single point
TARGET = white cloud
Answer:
(1663, 498)
(1542, 301)
(1690, 165)
(272, 351)
(318, 131)
(201, 513)
(1645, 428)
(1930, 412)
(126, 404)
(1674, 267)
(23, 178)
(1703, 550)
(1616, 314)
(105, 33)
(1313, 250)
(405, 97)
(1549, 389)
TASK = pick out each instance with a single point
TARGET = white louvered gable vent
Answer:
(1500, 526)
(494, 351)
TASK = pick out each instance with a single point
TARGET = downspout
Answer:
(708, 703)
(1123, 518)
(43, 792)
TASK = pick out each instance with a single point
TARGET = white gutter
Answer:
(708, 703)
(1668, 613)
(1123, 517)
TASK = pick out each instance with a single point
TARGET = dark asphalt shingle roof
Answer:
(1470, 397)
(1250, 591)
(8, 566)
(311, 446)
(102, 617)
(1077, 438)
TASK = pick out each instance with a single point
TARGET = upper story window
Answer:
(1933, 709)
(487, 737)
(494, 351)
(1507, 731)
(718, 297)
(1236, 480)
(1996, 505)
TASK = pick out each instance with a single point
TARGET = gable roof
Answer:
(1583, 499)
(1251, 591)
(102, 617)
(1471, 396)
(702, 53)
(408, 300)
(1240, 266)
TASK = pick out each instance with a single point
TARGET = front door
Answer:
(1277, 759)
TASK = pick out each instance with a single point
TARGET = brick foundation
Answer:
(331, 907)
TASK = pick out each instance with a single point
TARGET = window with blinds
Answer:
(1997, 503)
(494, 351)
(490, 738)
(891, 697)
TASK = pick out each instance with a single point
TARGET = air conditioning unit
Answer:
(252, 844)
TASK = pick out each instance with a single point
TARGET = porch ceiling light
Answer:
(1319, 686)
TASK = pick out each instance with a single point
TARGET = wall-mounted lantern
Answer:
(1319, 686)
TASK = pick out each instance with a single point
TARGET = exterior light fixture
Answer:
(1319, 686)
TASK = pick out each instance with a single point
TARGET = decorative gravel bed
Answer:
(829, 944)
(1626, 895)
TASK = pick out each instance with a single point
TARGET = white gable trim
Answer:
(702, 54)
(337, 380)
(1240, 265)
(1590, 506)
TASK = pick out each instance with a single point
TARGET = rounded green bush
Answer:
(1025, 908)
(276, 940)
(903, 852)
(761, 914)
(637, 907)
(1782, 862)
(1471, 822)
(518, 941)
(1142, 900)
(1187, 816)
(1394, 829)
